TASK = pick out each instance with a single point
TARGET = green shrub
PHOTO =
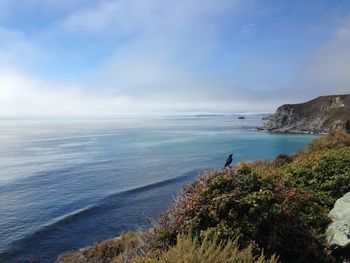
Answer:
(326, 173)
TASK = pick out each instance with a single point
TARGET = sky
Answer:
(74, 58)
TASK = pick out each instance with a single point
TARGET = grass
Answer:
(188, 250)
(105, 252)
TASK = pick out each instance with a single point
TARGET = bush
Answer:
(280, 218)
(325, 173)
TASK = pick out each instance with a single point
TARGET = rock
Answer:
(267, 117)
(338, 232)
(320, 115)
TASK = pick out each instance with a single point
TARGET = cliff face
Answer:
(319, 115)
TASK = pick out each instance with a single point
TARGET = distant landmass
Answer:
(320, 115)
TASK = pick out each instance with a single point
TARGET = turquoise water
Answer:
(68, 184)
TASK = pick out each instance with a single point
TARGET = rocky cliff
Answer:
(319, 115)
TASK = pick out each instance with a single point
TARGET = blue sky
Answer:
(160, 57)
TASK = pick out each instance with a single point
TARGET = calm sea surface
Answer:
(68, 184)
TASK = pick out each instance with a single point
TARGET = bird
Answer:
(228, 161)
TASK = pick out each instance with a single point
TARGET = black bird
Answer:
(228, 161)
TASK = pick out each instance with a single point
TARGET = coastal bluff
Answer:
(320, 115)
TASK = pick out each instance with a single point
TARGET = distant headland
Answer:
(320, 115)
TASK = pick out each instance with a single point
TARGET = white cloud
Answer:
(141, 77)
(161, 49)
(328, 69)
(22, 95)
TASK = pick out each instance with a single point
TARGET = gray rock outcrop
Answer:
(338, 232)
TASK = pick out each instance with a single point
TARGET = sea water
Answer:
(66, 184)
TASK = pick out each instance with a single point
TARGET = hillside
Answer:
(255, 212)
(319, 115)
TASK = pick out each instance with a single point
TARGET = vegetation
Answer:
(188, 250)
(105, 252)
(279, 207)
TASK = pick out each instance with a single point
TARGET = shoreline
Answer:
(263, 129)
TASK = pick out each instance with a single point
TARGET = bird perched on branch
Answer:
(228, 161)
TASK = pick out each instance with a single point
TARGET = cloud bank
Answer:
(110, 58)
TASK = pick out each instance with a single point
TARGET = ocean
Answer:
(66, 184)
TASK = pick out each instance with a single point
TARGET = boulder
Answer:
(338, 232)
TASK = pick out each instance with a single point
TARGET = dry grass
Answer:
(188, 250)
(334, 140)
(105, 252)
